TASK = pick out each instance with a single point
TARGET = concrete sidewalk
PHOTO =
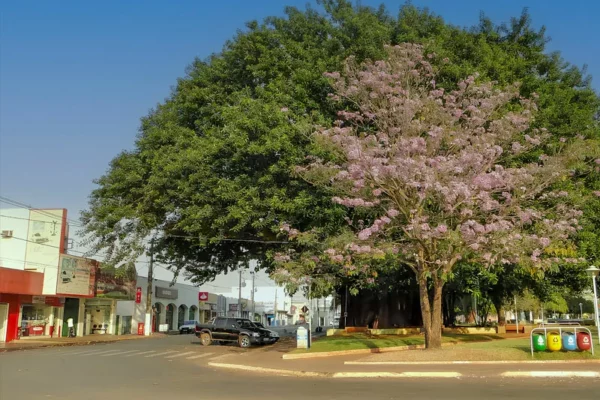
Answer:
(29, 344)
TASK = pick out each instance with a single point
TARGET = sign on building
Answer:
(116, 283)
(76, 276)
(165, 293)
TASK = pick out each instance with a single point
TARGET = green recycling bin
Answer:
(539, 342)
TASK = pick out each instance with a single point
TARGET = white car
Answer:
(188, 327)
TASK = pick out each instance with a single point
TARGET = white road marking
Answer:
(81, 353)
(180, 354)
(199, 356)
(104, 352)
(143, 352)
(397, 375)
(120, 353)
(162, 354)
(551, 374)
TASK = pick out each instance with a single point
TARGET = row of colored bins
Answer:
(569, 342)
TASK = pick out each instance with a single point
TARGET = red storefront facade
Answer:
(14, 284)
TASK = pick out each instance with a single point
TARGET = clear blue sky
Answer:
(76, 76)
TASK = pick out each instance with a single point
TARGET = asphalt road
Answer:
(176, 368)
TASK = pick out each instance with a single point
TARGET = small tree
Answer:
(442, 174)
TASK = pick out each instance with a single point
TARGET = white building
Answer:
(172, 305)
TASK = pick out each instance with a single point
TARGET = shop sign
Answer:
(163, 327)
(138, 295)
(116, 283)
(203, 296)
(76, 276)
(55, 301)
(38, 299)
(166, 293)
(233, 307)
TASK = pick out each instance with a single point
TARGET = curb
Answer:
(273, 371)
(551, 374)
(72, 344)
(376, 350)
(297, 356)
(503, 362)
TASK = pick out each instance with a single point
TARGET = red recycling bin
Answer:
(584, 341)
(140, 328)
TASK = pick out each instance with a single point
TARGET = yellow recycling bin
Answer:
(554, 341)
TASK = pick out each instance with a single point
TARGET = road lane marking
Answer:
(104, 352)
(199, 356)
(397, 375)
(162, 354)
(87, 352)
(551, 374)
(180, 354)
(143, 352)
(120, 353)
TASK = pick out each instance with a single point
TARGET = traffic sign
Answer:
(304, 309)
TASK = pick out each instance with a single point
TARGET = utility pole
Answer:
(252, 296)
(240, 296)
(516, 315)
(275, 308)
(346, 308)
(148, 318)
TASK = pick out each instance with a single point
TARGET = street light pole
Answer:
(148, 316)
(593, 272)
(581, 311)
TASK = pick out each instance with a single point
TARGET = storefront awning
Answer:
(17, 281)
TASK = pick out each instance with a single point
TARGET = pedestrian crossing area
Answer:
(142, 354)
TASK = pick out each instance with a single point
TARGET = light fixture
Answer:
(593, 272)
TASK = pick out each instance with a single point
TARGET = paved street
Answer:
(176, 367)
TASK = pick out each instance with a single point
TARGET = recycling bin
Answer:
(569, 343)
(554, 342)
(539, 342)
(584, 341)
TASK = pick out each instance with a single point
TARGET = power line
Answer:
(43, 244)
(32, 209)
(29, 219)
(29, 262)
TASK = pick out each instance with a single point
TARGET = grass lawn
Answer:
(362, 341)
(467, 348)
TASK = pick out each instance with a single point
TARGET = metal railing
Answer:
(553, 327)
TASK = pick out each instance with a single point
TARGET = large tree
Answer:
(442, 173)
(211, 172)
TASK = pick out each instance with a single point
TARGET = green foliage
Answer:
(211, 173)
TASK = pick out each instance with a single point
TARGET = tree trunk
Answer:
(500, 311)
(431, 309)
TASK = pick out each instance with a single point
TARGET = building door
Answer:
(3, 321)
(169, 316)
(71, 311)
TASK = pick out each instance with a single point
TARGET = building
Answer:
(42, 287)
(171, 306)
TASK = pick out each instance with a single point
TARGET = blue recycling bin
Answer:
(569, 341)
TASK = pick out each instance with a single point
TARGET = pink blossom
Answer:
(596, 193)
(284, 109)
(393, 213)
(365, 234)
(377, 192)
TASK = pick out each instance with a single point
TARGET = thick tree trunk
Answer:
(499, 309)
(431, 309)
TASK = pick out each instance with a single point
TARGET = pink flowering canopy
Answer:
(441, 170)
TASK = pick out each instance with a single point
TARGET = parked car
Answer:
(239, 330)
(188, 327)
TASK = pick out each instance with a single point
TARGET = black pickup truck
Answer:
(240, 330)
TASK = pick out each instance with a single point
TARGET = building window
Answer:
(34, 319)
